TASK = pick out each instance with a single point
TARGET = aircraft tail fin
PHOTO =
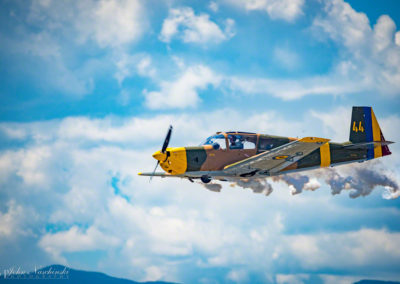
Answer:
(365, 128)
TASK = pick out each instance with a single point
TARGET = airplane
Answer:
(243, 155)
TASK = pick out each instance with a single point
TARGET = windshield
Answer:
(217, 141)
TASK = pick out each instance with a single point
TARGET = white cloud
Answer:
(114, 22)
(75, 239)
(52, 72)
(163, 228)
(397, 38)
(292, 278)
(213, 6)
(145, 68)
(184, 24)
(287, 10)
(333, 250)
(182, 92)
(340, 279)
(153, 273)
(31, 168)
(288, 89)
(337, 123)
(133, 64)
(10, 221)
(110, 23)
(372, 53)
(50, 37)
(238, 276)
(369, 58)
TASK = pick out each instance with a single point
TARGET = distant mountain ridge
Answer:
(63, 274)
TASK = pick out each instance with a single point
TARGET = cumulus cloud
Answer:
(183, 92)
(286, 89)
(133, 64)
(213, 6)
(76, 240)
(292, 278)
(10, 220)
(370, 55)
(369, 58)
(83, 211)
(184, 24)
(50, 35)
(287, 10)
(46, 53)
(110, 23)
(350, 248)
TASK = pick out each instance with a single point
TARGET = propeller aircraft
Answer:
(235, 154)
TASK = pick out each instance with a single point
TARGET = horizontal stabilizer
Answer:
(367, 144)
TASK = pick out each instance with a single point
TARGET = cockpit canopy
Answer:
(234, 140)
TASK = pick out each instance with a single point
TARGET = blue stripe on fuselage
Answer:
(368, 132)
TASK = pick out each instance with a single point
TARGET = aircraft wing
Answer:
(275, 160)
(159, 174)
(188, 175)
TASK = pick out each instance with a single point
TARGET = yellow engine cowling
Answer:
(173, 161)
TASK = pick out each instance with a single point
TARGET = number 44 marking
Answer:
(359, 128)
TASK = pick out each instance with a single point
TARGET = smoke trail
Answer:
(297, 183)
(365, 180)
(256, 185)
(359, 181)
(336, 182)
(390, 193)
(216, 187)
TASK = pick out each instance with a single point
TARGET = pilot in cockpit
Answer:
(235, 142)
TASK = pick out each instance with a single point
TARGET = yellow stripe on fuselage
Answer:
(325, 154)
(376, 134)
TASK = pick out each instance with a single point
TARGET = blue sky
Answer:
(89, 88)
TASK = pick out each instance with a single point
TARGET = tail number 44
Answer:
(358, 128)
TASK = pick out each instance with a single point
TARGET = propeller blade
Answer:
(158, 162)
(164, 147)
(166, 141)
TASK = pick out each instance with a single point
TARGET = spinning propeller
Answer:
(163, 149)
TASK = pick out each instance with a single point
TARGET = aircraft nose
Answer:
(173, 161)
(159, 156)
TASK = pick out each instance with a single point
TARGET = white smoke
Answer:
(390, 194)
(256, 185)
(358, 180)
(212, 186)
